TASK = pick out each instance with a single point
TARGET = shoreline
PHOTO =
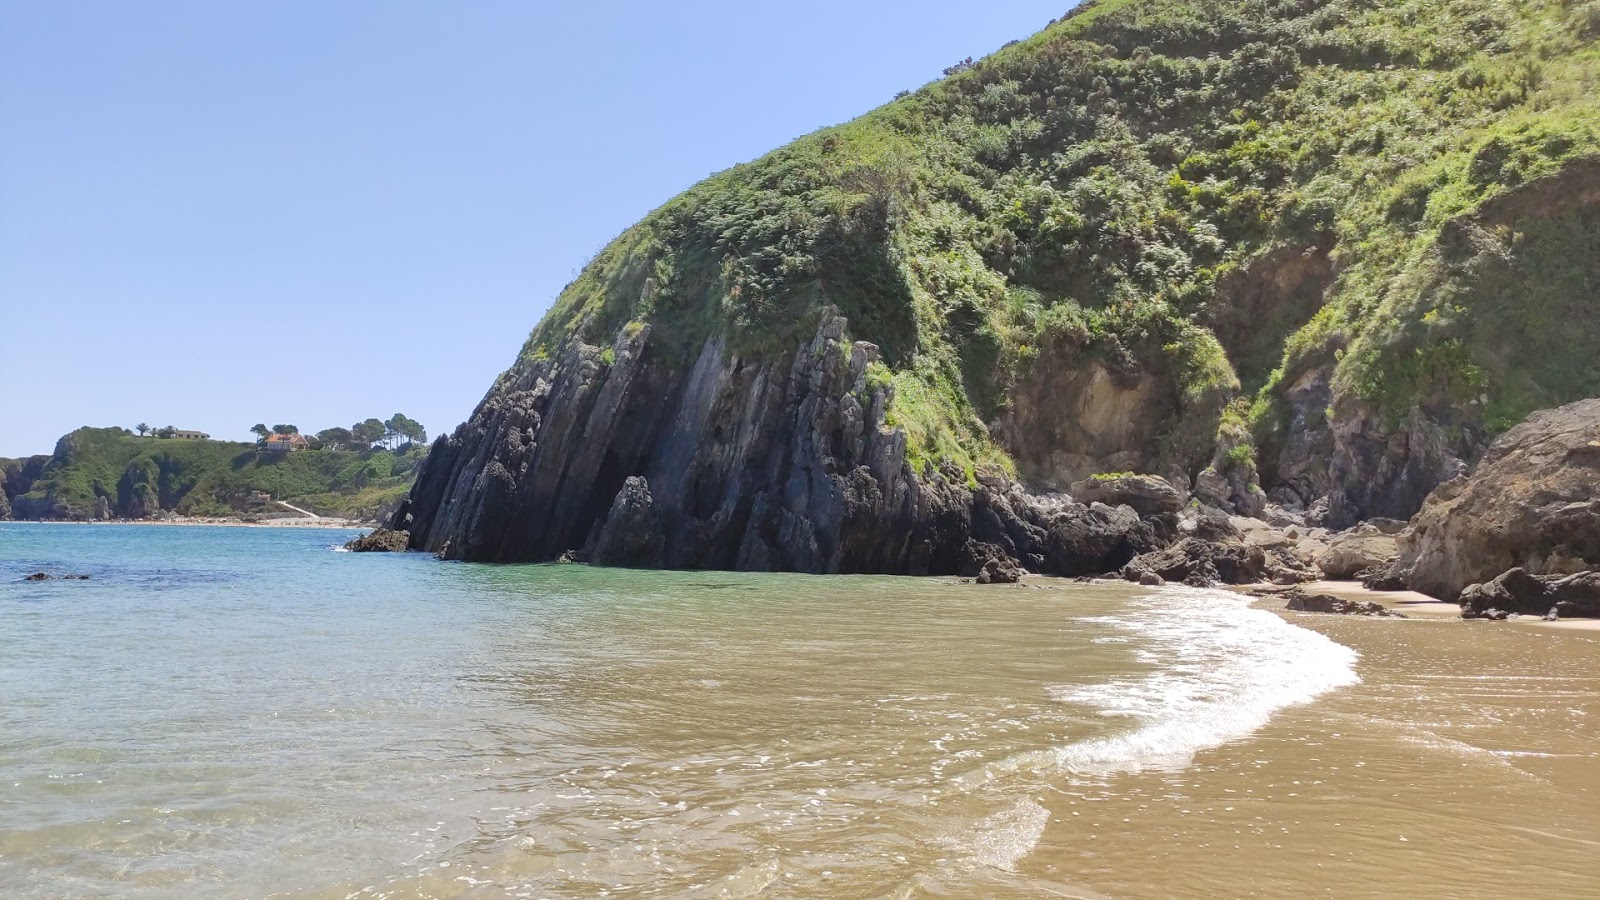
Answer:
(217, 522)
(1421, 606)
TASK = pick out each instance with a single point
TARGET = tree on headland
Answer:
(167, 432)
(142, 428)
(400, 426)
(260, 431)
(285, 429)
(367, 433)
(335, 438)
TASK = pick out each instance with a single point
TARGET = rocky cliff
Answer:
(1321, 251)
(731, 463)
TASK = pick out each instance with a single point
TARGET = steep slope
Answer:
(1325, 248)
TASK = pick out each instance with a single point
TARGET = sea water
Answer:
(248, 712)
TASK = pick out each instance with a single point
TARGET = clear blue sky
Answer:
(214, 214)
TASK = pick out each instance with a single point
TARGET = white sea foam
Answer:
(1009, 835)
(1220, 670)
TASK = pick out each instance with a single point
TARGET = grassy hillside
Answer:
(110, 471)
(1222, 194)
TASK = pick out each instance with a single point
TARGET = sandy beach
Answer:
(1422, 606)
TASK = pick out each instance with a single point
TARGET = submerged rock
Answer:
(45, 576)
(381, 540)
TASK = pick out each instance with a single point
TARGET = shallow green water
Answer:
(246, 713)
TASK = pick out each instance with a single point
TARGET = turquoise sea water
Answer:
(240, 712)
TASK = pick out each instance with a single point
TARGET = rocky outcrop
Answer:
(773, 462)
(1146, 495)
(1356, 550)
(1520, 593)
(1533, 503)
(1200, 563)
(632, 536)
(381, 540)
(17, 477)
(1300, 601)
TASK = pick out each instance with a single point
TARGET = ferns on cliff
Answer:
(1102, 185)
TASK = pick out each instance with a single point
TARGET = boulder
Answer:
(1532, 503)
(1520, 592)
(1299, 601)
(1147, 495)
(1387, 577)
(381, 540)
(990, 564)
(1200, 563)
(1362, 547)
(997, 571)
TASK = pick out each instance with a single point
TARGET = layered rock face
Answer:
(1532, 503)
(731, 463)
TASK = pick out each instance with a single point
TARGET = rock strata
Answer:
(780, 462)
(1532, 503)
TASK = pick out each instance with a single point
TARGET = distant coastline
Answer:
(215, 521)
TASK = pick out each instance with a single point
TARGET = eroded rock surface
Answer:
(1356, 550)
(1517, 591)
(1147, 495)
(381, 540)
(1200, 563)
(1533, 503)
(734, 463)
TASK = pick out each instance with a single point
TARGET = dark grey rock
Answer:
(1201, 563)
(1299, 601)
(632, 535)
(1519, 592)
(780, 462)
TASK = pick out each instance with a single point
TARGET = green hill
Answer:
(1327, 246)
(109, 472)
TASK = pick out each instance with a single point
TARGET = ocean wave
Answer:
(1218, 671)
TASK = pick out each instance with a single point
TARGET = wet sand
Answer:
(1421, 606)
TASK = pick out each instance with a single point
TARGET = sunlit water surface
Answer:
(246, 713)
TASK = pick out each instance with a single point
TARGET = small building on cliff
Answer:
(284, 443)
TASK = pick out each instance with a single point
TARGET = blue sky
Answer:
(217, 214)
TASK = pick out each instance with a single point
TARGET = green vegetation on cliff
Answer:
(1219, 196)
(112, 473)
